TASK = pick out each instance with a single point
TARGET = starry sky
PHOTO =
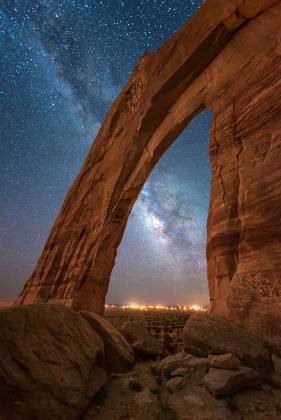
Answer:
(62, 63)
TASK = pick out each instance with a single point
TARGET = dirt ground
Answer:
(138, 395)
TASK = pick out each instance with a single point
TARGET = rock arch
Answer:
(227, 58)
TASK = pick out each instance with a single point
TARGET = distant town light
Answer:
(136, 306)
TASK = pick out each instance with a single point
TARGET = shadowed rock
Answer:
(144, 344)
(51, 363)
(119, 354)
(226, 382)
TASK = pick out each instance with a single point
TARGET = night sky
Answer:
(62, 63)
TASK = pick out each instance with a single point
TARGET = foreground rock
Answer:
(139, 395)
(226, 382)
(51, 363)
(144, 344)
(175, 383)
(179, 365)
(119, 354)
(206, 334)
(224, 361)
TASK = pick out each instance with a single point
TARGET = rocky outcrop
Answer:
(149, 393)
(51, 363)
(119, 355)
(227, 58)
(213, 334)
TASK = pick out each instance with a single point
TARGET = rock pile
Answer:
(206, 334)
(222, 375)
(54, 363)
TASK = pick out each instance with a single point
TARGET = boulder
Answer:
(224, 361)
(226, 382)
(206, 334)
(144, 344)
(51, 363)
(146, 349)
(194, 400)
(196, 362)
(179, 372)
(175, 384)
(119, 355)
(167, 366)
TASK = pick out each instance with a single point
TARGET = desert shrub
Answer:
(135, 385)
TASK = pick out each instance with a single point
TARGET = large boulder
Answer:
(144, 344)
(206, 334)
(222, 382)
(119, 354)
(51, 363)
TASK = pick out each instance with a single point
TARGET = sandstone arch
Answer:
(227, 58)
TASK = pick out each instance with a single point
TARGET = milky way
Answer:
(62, 63)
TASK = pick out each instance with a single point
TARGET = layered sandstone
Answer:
(227, 58)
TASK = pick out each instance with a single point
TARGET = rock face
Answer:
(227, 58)
(119, 355)
(213, 334)
(244, 229)
(51, 363)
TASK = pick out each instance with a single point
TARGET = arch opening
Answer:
(161, 258)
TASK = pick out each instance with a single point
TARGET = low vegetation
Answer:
(166, 326)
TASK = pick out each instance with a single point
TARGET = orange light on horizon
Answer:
(136, 306)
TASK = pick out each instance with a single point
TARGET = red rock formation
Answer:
(244, 229)
(226, 58)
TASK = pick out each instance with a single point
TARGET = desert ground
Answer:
(153, 391)
(165, 325)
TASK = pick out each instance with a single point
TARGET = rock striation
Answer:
(226, 58)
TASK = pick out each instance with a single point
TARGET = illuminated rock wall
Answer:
(227, 58)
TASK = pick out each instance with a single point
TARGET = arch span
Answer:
(227, 58)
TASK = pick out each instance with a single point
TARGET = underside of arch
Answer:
(227, 58)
